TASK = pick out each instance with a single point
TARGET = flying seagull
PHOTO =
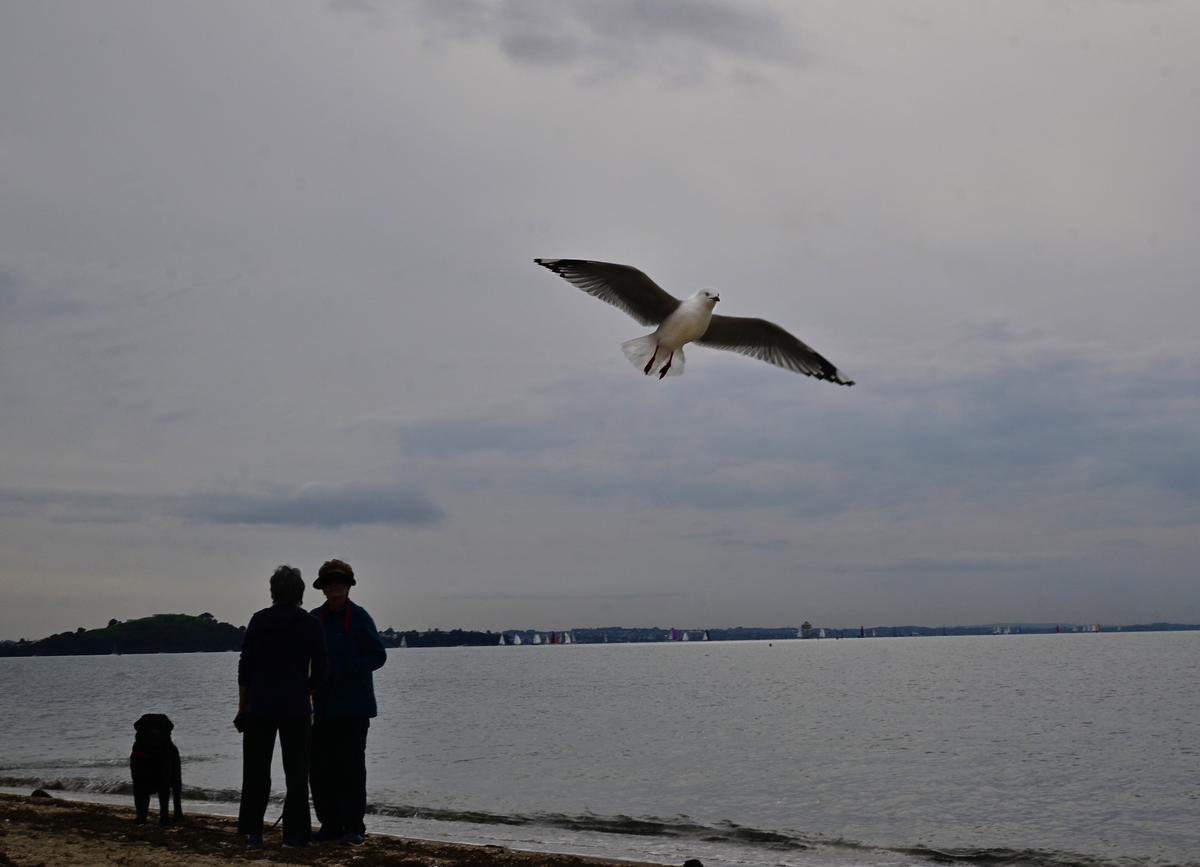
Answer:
(692, 319)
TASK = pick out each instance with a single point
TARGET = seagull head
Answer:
(709, 297)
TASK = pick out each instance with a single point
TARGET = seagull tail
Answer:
(646, 356)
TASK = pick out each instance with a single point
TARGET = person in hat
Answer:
(344, 707)
(283, 660)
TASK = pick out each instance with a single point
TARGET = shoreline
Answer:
(50, 831)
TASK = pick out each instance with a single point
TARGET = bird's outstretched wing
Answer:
(623, 287)
(766, 341)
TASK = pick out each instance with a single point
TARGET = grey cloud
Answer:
(614, 34)
(75, 507)
(314, 506)
(8, 286)
(462, 436)
(1021, 563)
(725, 538)
(552, 594)
(327, 507)
(992, 439)
(20, 299)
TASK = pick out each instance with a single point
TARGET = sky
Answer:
(267, 295)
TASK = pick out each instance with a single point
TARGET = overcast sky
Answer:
(267, 295)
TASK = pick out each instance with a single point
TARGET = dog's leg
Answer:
(141, 802)
(177, 781)
(164, 799)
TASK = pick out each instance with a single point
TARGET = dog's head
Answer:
(156, 726)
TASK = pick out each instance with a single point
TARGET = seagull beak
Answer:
(716, 298)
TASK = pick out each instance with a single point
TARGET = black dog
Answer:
(155, 765)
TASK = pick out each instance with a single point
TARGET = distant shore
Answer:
(186, 633)
(54, 832)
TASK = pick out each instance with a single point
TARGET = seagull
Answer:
(687, 321)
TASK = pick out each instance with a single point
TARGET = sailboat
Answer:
(501, 639)
(686, 637)
(404, 641)
(706, 637)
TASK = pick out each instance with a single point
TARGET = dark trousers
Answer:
(258, 743)
(339, 773)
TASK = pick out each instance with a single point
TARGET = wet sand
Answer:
(47, 832)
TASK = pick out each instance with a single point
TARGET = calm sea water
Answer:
(1038, 749)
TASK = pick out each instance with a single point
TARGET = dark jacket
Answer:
(283, 659)
(354, 652)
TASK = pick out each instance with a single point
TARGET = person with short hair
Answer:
(344, 707)
(283, 661)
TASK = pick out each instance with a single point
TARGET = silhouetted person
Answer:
(343, 708)
(283, 661)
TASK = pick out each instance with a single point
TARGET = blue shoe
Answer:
(254, 841)
(353, 838)
(294, 844)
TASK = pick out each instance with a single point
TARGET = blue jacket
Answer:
(283, 658)
(354, 652)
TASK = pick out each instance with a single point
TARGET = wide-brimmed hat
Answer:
(334, 572)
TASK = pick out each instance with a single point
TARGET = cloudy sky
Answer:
(267, 295)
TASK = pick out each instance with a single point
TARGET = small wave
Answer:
(89, 785)
(681, 827)
(1021, 857)
(70, 764)
(69, 784)
(66, 764)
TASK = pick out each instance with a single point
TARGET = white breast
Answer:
(688, 322)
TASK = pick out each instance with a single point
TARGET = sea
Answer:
(1066, 749)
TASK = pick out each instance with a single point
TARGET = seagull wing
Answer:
(621, 286)
(767, 342)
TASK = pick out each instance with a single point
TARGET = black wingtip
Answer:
(829, 373)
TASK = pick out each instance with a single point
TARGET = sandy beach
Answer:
(47, 832)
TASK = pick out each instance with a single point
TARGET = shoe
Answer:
(327, 834)
(353, 838)
(254, 841)
(294, 844)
